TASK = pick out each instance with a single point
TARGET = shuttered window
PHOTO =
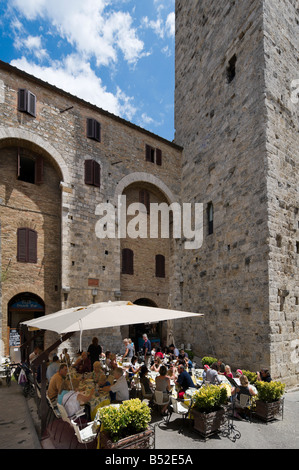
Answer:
(92, 173)
(30, 168)
(93, 129)
(160, 266)
(153, 155)
(27, 245)
(27, 102)
(127, 261)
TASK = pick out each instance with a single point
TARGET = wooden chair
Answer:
(85, 435)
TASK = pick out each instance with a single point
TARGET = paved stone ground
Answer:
(18, 420)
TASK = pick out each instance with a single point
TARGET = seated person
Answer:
(212, 374)
(156, 365)
(221, 367)
(83, 364)
(132, 368)
(97, 371)
(181, 357)
(159, 354)
(163, 385)
(244, 388)
(173, 352)
(204, 374)
(264, 375)
(145, 381)
(120, 387)
(228, 372)
(70, 398)
(56, 382)
(65, 357)
(53, 367)
(113, 363)
(172, 372)
(184, 380)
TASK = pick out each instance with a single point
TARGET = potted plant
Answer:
(208, 360)
(126, 426)
(269, 401)
(208, 409)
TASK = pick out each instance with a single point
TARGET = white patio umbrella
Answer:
(104, 315)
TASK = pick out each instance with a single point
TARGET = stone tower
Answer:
(236, 116)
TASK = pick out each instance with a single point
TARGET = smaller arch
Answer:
(141, 177)
(145, 302)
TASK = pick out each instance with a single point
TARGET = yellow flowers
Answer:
(209, 398)
(131, 417)
(270, 391)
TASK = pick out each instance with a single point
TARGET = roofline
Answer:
(11, 68)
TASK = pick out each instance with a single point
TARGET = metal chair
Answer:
(181, 409)
(145, 396)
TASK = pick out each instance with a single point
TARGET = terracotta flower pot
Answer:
(142, 440)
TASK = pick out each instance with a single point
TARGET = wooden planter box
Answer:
(268, 411)
(143, 440)
(208, 423)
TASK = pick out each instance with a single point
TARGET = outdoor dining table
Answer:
(99, 398)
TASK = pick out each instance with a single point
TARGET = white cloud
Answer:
(88, 26)
(76, 77)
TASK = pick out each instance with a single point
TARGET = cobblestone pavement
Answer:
(18, 420)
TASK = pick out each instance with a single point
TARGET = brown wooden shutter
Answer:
(160, 266)
(39, 170)
(127, 261)
(159, 157)
(22, 245)
(32, 246)
(89, 128)
(31, 104)
(97, 131)
(19, 162)
(96, 174)
(88, 177)
(22, 99)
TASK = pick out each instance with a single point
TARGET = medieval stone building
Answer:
(238, 125)
(235, 151)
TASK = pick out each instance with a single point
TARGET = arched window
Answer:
(127, 261)
(160, 266)
(27, 245)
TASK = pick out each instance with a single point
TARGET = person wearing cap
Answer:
(204, 374)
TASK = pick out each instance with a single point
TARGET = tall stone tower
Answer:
(236, 116)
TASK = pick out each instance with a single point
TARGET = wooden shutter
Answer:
(149, 154)
(19, 163)
(22, 245)
(93, 130)
(32, 246)
(159, 157)
(31, 104)
(97, 131)
(89, 128)
(96, 174)
(22, 100)
(88, 177)
(160, 266)
(127, 261)
(39, 170)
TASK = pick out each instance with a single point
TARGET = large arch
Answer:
(11, 134)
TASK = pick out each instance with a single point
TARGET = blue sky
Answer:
(117, 54)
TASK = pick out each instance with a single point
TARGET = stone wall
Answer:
(282, 52)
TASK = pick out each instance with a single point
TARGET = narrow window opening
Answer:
(231, 69)
(210, 212)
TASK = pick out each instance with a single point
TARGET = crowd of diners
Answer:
(116, 375)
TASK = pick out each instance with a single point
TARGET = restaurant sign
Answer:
(27, 304)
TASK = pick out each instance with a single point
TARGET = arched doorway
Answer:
(22, 307)
(154, 331)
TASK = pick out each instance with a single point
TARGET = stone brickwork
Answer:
(234, 64)
(79, 261)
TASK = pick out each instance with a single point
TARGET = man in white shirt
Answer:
(120, 388)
